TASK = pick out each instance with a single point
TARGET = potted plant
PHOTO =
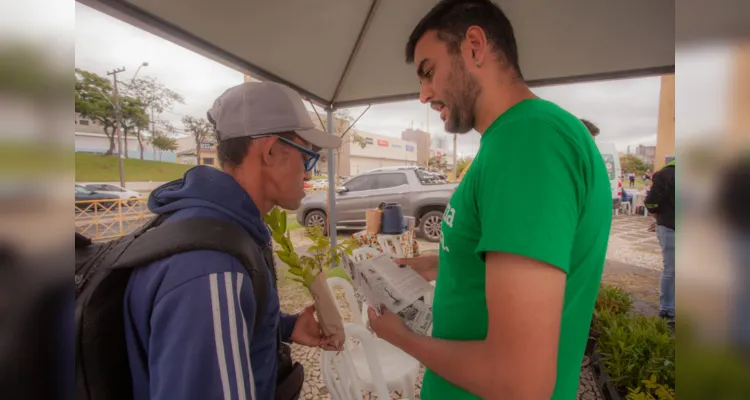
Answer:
(311, 270)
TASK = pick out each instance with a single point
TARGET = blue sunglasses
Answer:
(310, 157)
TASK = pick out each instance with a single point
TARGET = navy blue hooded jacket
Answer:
(189, 318)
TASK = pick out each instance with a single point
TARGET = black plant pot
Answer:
(603, 383)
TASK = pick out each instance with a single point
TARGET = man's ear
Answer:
(273, 153)
(266, 147)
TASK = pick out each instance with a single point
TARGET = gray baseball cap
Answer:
(262, 108)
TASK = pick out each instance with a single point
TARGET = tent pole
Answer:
(331, 184)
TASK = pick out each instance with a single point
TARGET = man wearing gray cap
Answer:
(190, 319)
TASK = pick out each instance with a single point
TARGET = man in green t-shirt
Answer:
(525, 234)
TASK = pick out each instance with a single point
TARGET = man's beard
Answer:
(460, 97)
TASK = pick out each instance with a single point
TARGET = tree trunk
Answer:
(125, 141)
(111, 137)
(140, 141)
(197, 151)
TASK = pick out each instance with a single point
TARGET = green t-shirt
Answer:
(538, 187)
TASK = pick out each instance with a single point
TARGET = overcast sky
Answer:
(625, 110)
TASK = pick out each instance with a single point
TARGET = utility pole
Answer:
(428, 139)
(455, 153)
(117, 125)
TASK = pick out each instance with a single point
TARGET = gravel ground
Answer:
(631, 243)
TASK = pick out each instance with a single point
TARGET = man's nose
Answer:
(307, 176)
(425, 93)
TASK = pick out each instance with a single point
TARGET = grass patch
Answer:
(100, 168)
(319, 178)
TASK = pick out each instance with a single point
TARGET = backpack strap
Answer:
(191, 234)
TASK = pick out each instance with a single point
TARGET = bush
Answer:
(613, 299)
(651, 390)
(636, 348)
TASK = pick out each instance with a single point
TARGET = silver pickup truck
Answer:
(420, 196)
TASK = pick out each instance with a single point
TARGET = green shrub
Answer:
(613, 299)
(635, 348)
(651, 390)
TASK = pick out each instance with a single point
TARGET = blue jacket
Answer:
(189, 318)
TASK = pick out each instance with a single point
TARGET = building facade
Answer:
(379, 151)
(90, 138)
(647, 154)
(422, 139)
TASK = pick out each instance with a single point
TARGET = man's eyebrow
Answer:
(420, 69)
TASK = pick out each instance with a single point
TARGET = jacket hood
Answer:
(208, 187)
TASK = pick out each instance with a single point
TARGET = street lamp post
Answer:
(118, 116)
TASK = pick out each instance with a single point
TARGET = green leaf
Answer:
(337, 272)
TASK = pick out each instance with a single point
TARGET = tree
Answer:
(133, 120)
(438, 163)
(201, 130)
(163, 142)
(93, 101)
(461, 165)
(633, 164)
(593, 129)
(155, 99)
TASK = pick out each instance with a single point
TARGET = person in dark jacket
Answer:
(189, 319)
(660, 201)
(734, 203)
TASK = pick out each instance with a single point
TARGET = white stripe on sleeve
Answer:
(218, 335)
(231, 312)
(245, 337)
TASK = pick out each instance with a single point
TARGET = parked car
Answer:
(419, 195)
(83, 193)
(114, 190)
(320, 184)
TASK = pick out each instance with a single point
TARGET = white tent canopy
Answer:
(341, 53)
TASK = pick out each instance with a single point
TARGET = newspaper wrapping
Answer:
(328, 313)
(381, 282)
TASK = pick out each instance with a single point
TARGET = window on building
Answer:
(208, 161)
(83, 122)
(385, 181)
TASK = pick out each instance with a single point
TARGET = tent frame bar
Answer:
(354, 52)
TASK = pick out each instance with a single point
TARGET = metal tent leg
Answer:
(331, 185)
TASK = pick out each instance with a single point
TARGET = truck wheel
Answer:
(316, 218)
(429, 226)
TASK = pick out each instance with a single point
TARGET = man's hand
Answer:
(426, 266)
(307, 331)
(388, 326)
(652, 227)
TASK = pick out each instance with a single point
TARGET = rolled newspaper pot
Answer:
(327, 310)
